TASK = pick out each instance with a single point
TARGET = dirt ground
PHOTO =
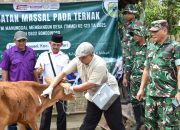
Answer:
(128, 118)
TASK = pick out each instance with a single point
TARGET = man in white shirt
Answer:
(44, 67)
(93, 73)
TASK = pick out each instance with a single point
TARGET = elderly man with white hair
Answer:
(93, 73)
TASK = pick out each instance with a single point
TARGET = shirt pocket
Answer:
(165, 60)
(46, 61)
(16, 63)
(60, 65)
(46, 64)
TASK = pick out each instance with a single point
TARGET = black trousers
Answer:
(113, 116)
(61, 117)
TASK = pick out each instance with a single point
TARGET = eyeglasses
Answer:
(126, 12)
(131, 34)
(133, 31)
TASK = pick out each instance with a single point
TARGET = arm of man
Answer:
(36, 76)
(57, 79)
(178, 83)
(39, 66)
(127, 66)
(5, 65)
(4, 75)
(81, 87)
(144, 81)
(125, 80)
(71, 67)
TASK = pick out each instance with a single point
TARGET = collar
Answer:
(59, 53)
(17, 50)
(166, 42)
(91, 62)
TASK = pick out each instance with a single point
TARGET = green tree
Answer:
(150, 10)
(162, 9)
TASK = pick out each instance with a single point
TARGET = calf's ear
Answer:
(48, 80)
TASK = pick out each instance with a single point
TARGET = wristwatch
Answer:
(178, 90)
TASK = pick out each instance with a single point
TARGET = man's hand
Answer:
(125, 81)
(67, 87)
(140, 94)
(39, 70)
(47, 91)
(178, 96)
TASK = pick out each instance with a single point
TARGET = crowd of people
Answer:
(151, 71)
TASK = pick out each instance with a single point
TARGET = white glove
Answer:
(47, 91)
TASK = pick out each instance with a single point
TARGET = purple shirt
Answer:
(20, 65)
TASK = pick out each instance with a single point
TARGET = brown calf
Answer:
(20, 102)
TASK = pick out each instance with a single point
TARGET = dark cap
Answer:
(58, 38)
(158, 24)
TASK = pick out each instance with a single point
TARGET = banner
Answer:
(94, 22)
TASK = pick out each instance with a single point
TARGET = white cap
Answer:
(84, 49)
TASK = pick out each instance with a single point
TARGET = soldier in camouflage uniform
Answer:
(130, 19)
(129, 13)
(134, 66)
(162, 72)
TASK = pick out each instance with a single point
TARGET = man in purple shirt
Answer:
(18, 63)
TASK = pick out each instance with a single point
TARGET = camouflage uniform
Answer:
(161, 62)
(134, 64)
(127, 39)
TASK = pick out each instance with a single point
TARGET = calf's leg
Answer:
(2, 126)
(3, 123)
(21, 126)
(33, 125)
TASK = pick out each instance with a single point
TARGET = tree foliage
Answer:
(151, 10)
(163, 9)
